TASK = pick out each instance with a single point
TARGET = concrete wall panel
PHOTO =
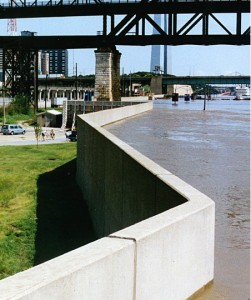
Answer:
(113, 188)
(175, 251)
(101, 270)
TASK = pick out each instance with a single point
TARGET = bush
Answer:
(20, 105)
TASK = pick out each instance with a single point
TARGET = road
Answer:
(29, 137)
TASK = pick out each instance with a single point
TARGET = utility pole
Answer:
(76, 82)
(46, 90)
(3, 104)
(205, 95)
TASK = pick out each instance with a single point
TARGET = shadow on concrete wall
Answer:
(63, 220)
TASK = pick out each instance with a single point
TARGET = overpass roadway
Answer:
(167, 80)
(204, 80)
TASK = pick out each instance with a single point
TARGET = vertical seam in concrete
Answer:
(122, 175)
(135, 260)
(105, 196)
(155, 194)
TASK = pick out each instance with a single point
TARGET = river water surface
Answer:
(211, 151)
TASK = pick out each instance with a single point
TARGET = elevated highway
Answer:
(204, 80)
(167, 80)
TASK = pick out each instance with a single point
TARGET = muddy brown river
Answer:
(211, 151)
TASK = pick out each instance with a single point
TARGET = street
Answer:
(29, 137)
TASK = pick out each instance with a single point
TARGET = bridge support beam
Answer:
(20, 73)
(107, 74)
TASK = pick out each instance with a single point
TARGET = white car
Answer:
(12, 129)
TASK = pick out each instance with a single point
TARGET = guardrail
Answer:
(96, 2)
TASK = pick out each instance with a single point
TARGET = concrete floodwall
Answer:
(120, 185)
(167, 252)
(175, 237)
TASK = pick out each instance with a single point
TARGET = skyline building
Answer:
(53, 62)
(160, 62)
(155, 51)
(43, 63)
(1, 64)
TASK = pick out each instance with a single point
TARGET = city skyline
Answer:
(187, 60)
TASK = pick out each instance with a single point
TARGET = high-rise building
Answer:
(43, 63)
(53, 62)
(1, 64)
(157, 64)
(155, 54)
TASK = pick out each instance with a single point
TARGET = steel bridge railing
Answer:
(14, 3)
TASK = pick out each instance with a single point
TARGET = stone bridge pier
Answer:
(107, 74)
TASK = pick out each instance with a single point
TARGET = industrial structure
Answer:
(20, 70)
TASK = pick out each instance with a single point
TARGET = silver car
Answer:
(12, 129)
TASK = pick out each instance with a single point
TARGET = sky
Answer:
(182, 60)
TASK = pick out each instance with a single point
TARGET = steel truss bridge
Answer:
(130, 27)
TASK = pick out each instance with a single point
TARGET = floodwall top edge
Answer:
(28, 281)
(184, 189)
(105, 117)
(164, 220)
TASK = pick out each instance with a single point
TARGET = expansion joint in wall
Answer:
(135, 260)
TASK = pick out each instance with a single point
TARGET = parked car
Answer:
(12, 129)
(72, 136)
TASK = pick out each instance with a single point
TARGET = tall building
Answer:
(1, 64)
(53, 61)
(155, 54)
(157, 64)
(43, 63)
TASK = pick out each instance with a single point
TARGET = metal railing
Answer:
(25, 3)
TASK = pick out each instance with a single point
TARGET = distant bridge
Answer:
(204, 80)
(87, 82)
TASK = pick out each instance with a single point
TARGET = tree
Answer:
(21, 104)
(38, 131)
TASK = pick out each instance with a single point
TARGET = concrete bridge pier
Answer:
(107, 75)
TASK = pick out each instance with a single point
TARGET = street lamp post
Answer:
(46, 91)
(205, 96)
(130, 84)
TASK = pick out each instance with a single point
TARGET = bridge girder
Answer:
(37, 9)
(131, 30)
(81, 42)
(168, 80)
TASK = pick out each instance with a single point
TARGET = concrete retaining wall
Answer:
(161, 242)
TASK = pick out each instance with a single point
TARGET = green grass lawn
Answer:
(42, 214)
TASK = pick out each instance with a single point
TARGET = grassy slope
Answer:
(37, 220)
